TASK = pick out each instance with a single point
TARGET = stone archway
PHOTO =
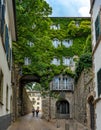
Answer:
(25, 79)
(63, 109)
(91, 112)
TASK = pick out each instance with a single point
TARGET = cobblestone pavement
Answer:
(29, 122)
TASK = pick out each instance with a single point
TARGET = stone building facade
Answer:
(36, 99)
(62, 105)
(27, 104)
(77, 104)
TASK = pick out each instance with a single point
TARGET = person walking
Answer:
(33, 111)
(37, 112)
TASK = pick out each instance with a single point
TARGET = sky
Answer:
(70, 8)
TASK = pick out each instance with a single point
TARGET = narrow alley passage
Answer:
(29, 122)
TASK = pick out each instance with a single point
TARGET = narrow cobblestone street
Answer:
(29, 122)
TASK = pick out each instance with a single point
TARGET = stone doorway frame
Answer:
(91, 112)
(63, 115)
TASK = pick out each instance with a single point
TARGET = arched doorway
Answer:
(92, 117)
(63, 109)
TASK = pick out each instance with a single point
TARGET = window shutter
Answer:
(6, 41)
(10, 58)
(98, 26)
(3, 19)
(99, 82)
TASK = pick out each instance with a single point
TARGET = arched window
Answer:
(55, 27)
(67, 43)
(56, 43)
(56, 83)
(68, 61)
(27, 61)
(56, 61)
(62, 107)
(30, 43)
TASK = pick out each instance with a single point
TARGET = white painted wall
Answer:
(6, 72)
(96, 61)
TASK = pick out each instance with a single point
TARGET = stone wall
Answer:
(46, 108)
(83, 90)
(49, 106)
(27, 104)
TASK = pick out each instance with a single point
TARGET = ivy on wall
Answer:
(34, 26)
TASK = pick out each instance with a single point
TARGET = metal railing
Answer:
(62, 86)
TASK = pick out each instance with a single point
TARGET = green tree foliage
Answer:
(84, 62)
(32, 25)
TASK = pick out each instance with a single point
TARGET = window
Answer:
(67, 61)
(7, 98)
(99, 82)
(97, 26)
(56, 43)
(64, 82)
(38, 103)
(7, 47)
(67, 43)
(33, 26)
(33, 99)
(1, 86)
(56, 82)
(56, 61)
(2, 18)
(27, 61)
(55, 27)
(30, 44)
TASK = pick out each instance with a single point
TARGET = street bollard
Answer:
(66, 126)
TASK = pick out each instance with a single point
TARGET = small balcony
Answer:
(62, 87)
